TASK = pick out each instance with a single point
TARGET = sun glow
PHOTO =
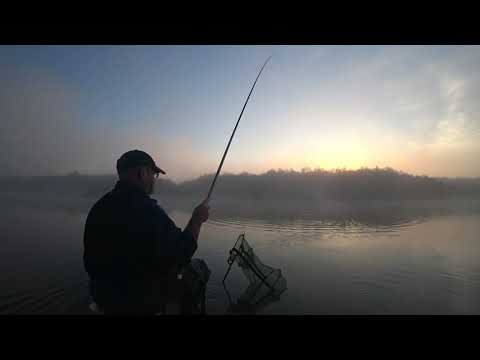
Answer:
(349, 158)
(328, 155)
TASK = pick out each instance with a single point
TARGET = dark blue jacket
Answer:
(132, 247)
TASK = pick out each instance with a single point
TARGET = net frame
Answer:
(256, 272)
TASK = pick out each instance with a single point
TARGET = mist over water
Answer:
(365, 241)
(383, 257)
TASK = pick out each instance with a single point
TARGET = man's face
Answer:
(148, 180)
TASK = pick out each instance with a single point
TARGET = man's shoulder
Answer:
(106, 199)
(102, 204)
(151, 205)
(116, 204)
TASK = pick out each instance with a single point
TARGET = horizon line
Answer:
(308, 170)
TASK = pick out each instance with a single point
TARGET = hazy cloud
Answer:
(412, 108)
(38, 134)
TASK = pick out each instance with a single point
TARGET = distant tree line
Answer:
(306, 185)
(340, 185)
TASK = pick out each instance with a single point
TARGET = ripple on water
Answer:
(312, 227)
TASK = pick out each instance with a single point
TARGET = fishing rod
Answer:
(233, 133)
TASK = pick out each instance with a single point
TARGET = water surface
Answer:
(365, 265)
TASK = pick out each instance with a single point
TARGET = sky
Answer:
(78, 108)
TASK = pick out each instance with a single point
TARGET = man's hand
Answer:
(201, 212)
(199, 216)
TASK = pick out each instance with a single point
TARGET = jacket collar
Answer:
(126, 187)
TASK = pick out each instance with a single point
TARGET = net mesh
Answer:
(265, 282)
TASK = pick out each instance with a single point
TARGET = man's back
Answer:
(131, 248)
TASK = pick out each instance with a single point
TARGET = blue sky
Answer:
(413, 108)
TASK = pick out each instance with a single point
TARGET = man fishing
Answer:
(136, 257)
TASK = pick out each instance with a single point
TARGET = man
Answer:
(134, 253)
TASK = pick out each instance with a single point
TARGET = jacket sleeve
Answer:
(172, 246)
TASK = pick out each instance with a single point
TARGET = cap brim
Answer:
(158, 170)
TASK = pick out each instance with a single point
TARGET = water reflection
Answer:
(313, 226)
(304, 230)
(371, 262)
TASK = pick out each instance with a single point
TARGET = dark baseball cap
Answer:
(135, 158)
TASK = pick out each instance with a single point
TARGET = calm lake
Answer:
(378, 265)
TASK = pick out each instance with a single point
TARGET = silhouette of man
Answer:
(134, 252)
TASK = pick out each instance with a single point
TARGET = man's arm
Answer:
(199, 216)
(172, 245)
